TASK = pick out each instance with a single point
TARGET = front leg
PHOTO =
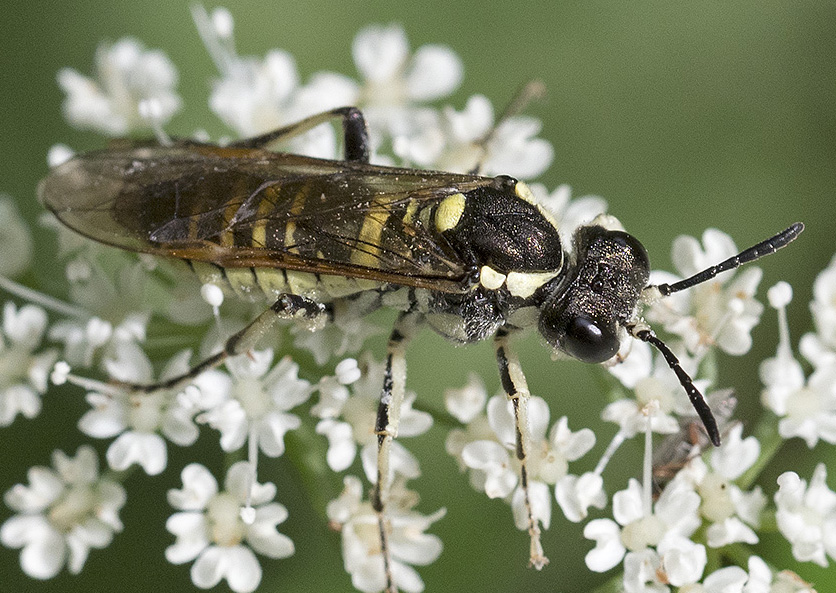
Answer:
(386, 429)
(288, 306)
(516, 388)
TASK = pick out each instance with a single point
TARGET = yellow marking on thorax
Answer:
(524, 192)
(490, 278)
(524, 284)
(449, 212)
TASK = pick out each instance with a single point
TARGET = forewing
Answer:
(243, 207)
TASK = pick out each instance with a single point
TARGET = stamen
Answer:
(61, 374)
(615, 443)
(248, 512)
(221, 48)
(347, 371)
(214, 297)
(222, 22)
(779, 296)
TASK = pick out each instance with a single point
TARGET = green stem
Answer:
(766, 432)
(307, 451)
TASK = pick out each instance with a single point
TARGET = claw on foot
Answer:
(537, 558)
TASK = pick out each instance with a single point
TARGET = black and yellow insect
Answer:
(473, 257)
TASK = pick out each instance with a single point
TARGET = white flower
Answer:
(673, 518)
(575, 494)
(468, 405)
(678, 562)
(719, 312)
(395, 84)
(408, 544)
(730, 579)
(569, 214)
(349, 422)
(381, 54)
(469, 401)
(85, 339)
(806, 406)
(548, 457)
(62, 514)
(259, 402)
(126, 75)
(653, 383)
(139, 420)
(761, 580)
(113, 290)
(512, 149)
(642, 572)
(823, 306)
(806, 515)
(23, 374)
(212, 530)
(255, 96)
(15, 239)
(732, 513)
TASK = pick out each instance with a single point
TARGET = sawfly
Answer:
(472, 257)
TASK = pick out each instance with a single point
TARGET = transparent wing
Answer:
(254, 208)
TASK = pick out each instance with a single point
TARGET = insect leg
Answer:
(355, 132)
(386, 429)
(516, 388)
(288, 306)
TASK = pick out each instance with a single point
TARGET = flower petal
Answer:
(148, 450)
(608, 550)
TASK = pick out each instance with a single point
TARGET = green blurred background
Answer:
(682, 115)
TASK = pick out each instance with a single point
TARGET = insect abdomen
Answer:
(267, 284)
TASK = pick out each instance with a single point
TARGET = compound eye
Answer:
(587, 341)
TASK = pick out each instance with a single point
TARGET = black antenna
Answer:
(758, 251)
(697, 399)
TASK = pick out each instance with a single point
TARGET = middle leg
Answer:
(386, 429)
(516, 388)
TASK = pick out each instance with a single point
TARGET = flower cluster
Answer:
(211, 527)
(101, 345)
(64, 512)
